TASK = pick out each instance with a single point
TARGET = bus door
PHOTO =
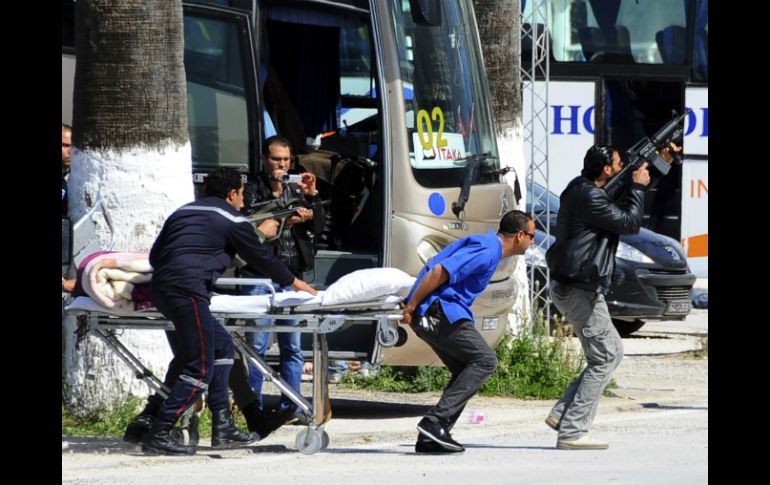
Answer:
(631, 108)
(319, 83)
(221, 99)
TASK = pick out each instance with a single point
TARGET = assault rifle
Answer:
(273, 210)
(647, 150)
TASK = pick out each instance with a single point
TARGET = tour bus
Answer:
(617, 70)
(384, 100)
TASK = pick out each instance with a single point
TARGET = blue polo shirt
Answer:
(470, 262)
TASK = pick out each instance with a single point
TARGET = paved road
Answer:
(657, 424)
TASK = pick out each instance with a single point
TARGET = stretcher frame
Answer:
(317, 320)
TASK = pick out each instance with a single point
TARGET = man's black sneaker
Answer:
(439, 434)
(425, 445)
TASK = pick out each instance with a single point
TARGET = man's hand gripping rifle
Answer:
(281, 213)
(648, 150)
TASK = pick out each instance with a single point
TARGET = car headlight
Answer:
(426, 249)
(535, 256)
(630, 253)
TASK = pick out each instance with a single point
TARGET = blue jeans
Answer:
(291, 359)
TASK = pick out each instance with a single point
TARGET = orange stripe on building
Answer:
(697, 246)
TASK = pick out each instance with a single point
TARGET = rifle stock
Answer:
(647, 150)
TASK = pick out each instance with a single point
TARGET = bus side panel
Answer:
(67, 87)
(570, 128)
(695, 177)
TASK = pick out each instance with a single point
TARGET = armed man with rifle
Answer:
(293, 246)
(581, 262)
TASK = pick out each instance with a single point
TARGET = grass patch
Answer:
(400, 379)
(113, 424)
(531, 366)
(101, 422)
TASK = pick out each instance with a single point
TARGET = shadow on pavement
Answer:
(654, 405)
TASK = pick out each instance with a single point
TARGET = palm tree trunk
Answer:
(131, 147)
(498, 22)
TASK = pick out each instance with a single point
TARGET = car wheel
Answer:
(626, 327)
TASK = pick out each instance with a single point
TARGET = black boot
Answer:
(159, 441)
(141, 424)
(264, 423)
(224, 433)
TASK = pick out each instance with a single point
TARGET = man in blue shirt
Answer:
(439, 310)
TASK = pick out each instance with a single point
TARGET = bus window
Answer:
(700, 66)
(447, 117)
(616, 31)
(217, 109)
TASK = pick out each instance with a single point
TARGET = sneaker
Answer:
(439, 434)
(552, 422)
(428, 446)
(582, 443)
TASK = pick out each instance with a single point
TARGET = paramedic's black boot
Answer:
(160, 441)
(224, 433)
(141, 424)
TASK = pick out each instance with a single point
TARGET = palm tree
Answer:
(498, 23)
(131, 148)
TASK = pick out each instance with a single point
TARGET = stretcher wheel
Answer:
(387, 337)
(324, 440)
(309, 441)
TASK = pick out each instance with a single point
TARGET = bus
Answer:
(617, 71)
(385, 101)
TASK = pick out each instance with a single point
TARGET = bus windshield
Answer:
(447, 114)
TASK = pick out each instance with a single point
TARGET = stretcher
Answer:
(238, 314)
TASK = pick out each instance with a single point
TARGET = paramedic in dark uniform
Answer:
(195, 246)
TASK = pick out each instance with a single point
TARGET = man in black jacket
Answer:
(581, 262)
(294, 247)
(195, 246)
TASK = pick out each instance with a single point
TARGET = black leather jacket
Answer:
(587, 231)
(295, 245)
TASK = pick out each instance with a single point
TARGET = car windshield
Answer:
(539, 194)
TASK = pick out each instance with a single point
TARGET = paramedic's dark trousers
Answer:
(204, 351)
(467, 356)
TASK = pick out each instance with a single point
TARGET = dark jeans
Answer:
(467, 356)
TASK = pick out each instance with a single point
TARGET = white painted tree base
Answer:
(140, 188)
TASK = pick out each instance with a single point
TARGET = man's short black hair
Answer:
(514, 221)
(596, 158)
(275, 140)
(221, 181)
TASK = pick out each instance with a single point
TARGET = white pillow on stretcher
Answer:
(367, 284)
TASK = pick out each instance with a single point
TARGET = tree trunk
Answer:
(498, 23)
(131, 148)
